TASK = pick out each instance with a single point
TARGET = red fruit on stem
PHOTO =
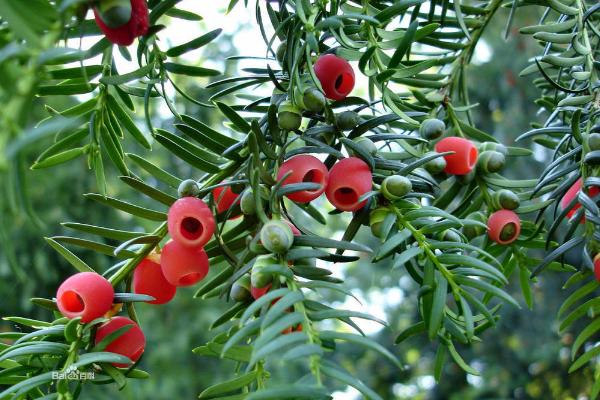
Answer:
(349, 179)
(130, 344)
(259, 292)
(597, 267)
(504, 226)
(183, 266)
(304, 168)
(136, 26)
(464, 158)
(224, 198)
(87, 295)
(190, 222)
(149, 279)
(572, 193)
(336, 76)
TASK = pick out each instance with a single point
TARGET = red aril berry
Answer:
(87, 295)
(295, 231)
(190, 222)
(224, 198)
(572, 193)
(130, 344)
(257, 293)
(304, 168)
(597, 267)
(125, 34)
(149, 279)
(336, 76)
(349, 179)
(464, 158)
(183, 266)
(504, 226)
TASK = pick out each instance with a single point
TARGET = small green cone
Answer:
(346, 120)
(490, 161)
(313, 100)
(506, 199)
(188, 188)
(288, 116)
(276, 236)
(432, 128)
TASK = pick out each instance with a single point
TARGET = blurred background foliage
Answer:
(523, 358)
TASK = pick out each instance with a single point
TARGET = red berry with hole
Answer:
(149, 279)
(183, 266)
(87, 295)
(304, 168)
(464, 158)
(125, 34)
(336, 76)
(504, 226)
(130, 344)
(224, 198)
(349, 179)
(257, 293)
(190, 222)
(572, 193)
(597, 267)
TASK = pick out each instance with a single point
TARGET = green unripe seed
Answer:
(314, 100)
(247, 203)
(490, 161)
(508, 232)
(276, 236)
(366, 144)
(507, 199)
(240, 290)
(499, 147)
(436, 165)
(280, 52)
(258, 277)
(346, 120)
(114, 13)
(288, 116)
(188, 188)
(472, 231)
(594, 141)
(376, 218)
(395, 187)
(432, 128)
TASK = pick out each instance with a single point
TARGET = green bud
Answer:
(288, 116)
(276, 236)
(376, 218)
(247, 203)
(346, 120)
(114, 13)
(499, 147)
(188, 188)
(594, 141)
(258, 277)
(366, 144)
(240, 290)
(466, 179)
(450, 235)
(490, 161)
(432, 128)
(314, 100)
(395, 187)
(472, 231)
(506, 199)
(436, 165)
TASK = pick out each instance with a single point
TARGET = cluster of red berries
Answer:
(122, 21)
(182, 262)
(343, 185)
(90, 296)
